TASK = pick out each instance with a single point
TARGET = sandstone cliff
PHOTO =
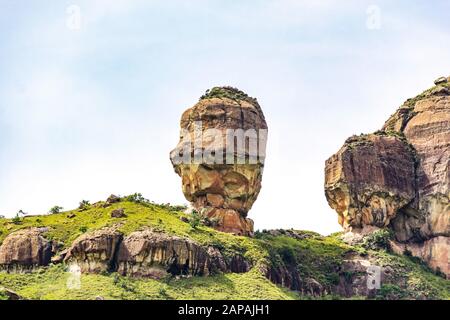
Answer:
(399, 178)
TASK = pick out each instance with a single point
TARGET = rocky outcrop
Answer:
(399, 177)
(369, 180)
(220, 157)
(156, 255)
(25, 249)
(434, 251)
(95, 252)
(148, 253)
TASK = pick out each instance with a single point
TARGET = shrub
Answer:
(390, 292)
(83, 229)
(195, 219)
(377, 240)
(17, 219)
(136, 198)
(84, 205)
(55, 210)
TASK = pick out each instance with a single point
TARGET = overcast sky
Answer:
(92, 108)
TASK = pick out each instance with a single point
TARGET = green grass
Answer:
(312, 255)
(65, 230)
(51, 283)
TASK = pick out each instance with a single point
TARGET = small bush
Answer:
(390, 292)
(195, 219)
(83, 229)
(84, 205)
(136, 198)
(17, 219)
(377, 240)
(55, 210)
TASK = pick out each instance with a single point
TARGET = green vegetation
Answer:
(84, 205)
(52, 284)
(378, 240)
(229, 93)
(55, 210)
(195, 219)
(310, 254)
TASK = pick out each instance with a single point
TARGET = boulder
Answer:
(25, 249)
(112, 199)
(118, 213)
(155, 254)
(399, 177)
(222, 179)
(95, 252)
(369, 180)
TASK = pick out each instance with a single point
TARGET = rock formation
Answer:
(95, 251)
(399, 178)
(148, 253)
(25, 249)
(156, 255)
(222, 180)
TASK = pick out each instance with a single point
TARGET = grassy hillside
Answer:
(312, 255)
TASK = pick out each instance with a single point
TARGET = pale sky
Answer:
(91, 109)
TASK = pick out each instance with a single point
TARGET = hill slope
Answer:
(277, 264)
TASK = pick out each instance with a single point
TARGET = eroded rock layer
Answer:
(25, 249)
(156, 255)
(95, 252)
(220, 189)
(399, 177)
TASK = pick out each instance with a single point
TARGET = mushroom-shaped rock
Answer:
(220, 157)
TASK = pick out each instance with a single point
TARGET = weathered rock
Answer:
(400, 177)
(156, 255)
(25, 249)
(440, 80)
(59, 256)
(95, 252)
(435, 252)
(118, 213)
(369, 179)
(9, 294)
(284, 275)
(354, 278)
(216, 186)
(112, 199)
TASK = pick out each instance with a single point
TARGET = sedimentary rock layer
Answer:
(399, 177)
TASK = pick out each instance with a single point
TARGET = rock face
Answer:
(156, 255)
(222, 143)
(148, 253)
(95, 252)
(25, 249)
(399, 177)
